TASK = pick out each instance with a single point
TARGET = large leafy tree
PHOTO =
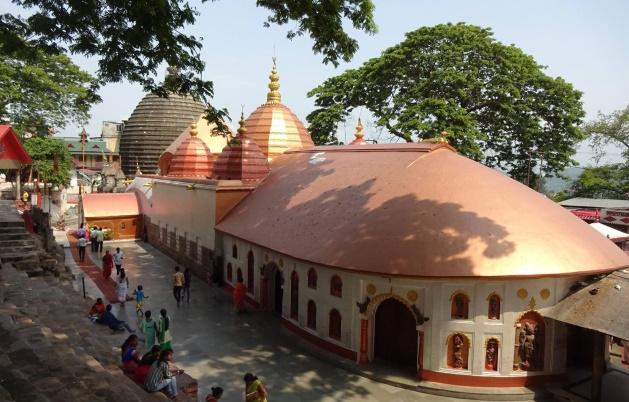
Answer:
(495, 101)
(609, 181)
(610, 129)
(52, 162)
(43, 90)
(131, 39)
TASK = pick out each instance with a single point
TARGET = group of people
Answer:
(95, 236)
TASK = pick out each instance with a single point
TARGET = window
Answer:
(460, 306)
(335, 325)
(336, 286)
(250, 268)
(493, 312)
(229, 272)
(312, 315)
(234, 251)
(239, 277)
(458, 351)
(312, 278)
(294, 296)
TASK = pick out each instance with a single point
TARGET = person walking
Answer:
(254, 389)
(238, 295)
(163, 330)
(108, 265)
(178, 281)
(118, 257)
(80, 232)
(187, 277)
(149, 329)
(82, 243)
(122, 286)
(100, 239)
(94, 239)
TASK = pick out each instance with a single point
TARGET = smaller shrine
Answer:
(13, 155)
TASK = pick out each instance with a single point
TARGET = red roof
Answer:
(587, 214)
(414, 210)
(12, 152)
(192, 159)
(241, 159)
(101, 205)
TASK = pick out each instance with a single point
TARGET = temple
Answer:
(409, 254)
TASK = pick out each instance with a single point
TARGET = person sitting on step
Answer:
(113, 323)
(97, 310)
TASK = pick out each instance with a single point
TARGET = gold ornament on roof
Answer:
(359, 130)
(274, 86)
(193, 130)
(443, 137)
(242, 129)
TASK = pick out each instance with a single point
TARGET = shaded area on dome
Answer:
(154, 124)
(241, 159)
(192, 158)
(414, 210)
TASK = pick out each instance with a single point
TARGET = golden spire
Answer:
(242, 130)
(443, 137)
(359, 130)
(193, 130)
(274, 95)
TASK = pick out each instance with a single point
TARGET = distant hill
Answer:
(556, 184)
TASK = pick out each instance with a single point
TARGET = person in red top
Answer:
(97, 310)
(240, 290)
(217, 393)
(108, 264)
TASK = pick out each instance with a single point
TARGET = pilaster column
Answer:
(363, 354)
(420, 349)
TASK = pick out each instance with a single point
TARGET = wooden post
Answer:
(17, 185)
(598, 366)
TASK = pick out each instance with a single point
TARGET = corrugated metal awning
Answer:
(601, 306)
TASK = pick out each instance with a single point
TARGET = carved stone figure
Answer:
(528, 344)
(491, 355)
(494, 308)
(457, 343)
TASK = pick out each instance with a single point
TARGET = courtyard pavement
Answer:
(218, 348)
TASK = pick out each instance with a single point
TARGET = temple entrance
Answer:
(395, 338)
(579, 347)
(278, 292)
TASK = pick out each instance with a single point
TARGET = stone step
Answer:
(15, 236)
(16, 243)
(20, 256)
(11, 224)
(24, 248)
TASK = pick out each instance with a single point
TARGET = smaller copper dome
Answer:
(241, 159)
(192, 159)
(359, 140)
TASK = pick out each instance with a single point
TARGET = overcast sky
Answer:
(585, 42)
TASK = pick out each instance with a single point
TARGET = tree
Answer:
(610, 129)
(495, 101)
(44, 90)
(609, 181)
(52, 161)
(131, 39)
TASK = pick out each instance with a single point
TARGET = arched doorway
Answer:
(395, 338)
(278, 293)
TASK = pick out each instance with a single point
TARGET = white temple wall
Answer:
(189, 212)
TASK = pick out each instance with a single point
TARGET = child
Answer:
(139, 299)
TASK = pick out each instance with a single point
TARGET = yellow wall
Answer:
(187, 211)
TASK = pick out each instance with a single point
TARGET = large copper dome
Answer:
(192, 158)
(273, 126)
(154, 124)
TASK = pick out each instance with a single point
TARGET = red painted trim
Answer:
(480, 381)
(322, 343)
(16, 150)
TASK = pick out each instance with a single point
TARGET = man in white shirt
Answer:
(118, 257)
(82, 243)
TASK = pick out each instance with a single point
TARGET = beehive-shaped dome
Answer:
(273, 126)
(241, 159)
(192, 159)
(154, 124)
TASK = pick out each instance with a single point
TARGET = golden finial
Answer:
(242, 130)
(274, 86)
(193, 130)
(443, 137)
(359, 130)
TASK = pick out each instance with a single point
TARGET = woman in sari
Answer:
(108, 264)
(163, 331)
(129, 354)
(240, 291)
(122, 286)
(254, 389)
(149, 328)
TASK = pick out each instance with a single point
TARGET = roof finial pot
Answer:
(359, 134)
(274, 95)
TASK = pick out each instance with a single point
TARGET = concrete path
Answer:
(217, 347)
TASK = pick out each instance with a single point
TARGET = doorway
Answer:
(395, 339)
(278, 289)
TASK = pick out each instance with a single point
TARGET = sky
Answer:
(585, 42)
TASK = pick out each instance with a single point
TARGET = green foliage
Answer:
(609, 181)
(131, 39)
(494, 100)
(610, 129)
(52, 161)
(43, 90)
